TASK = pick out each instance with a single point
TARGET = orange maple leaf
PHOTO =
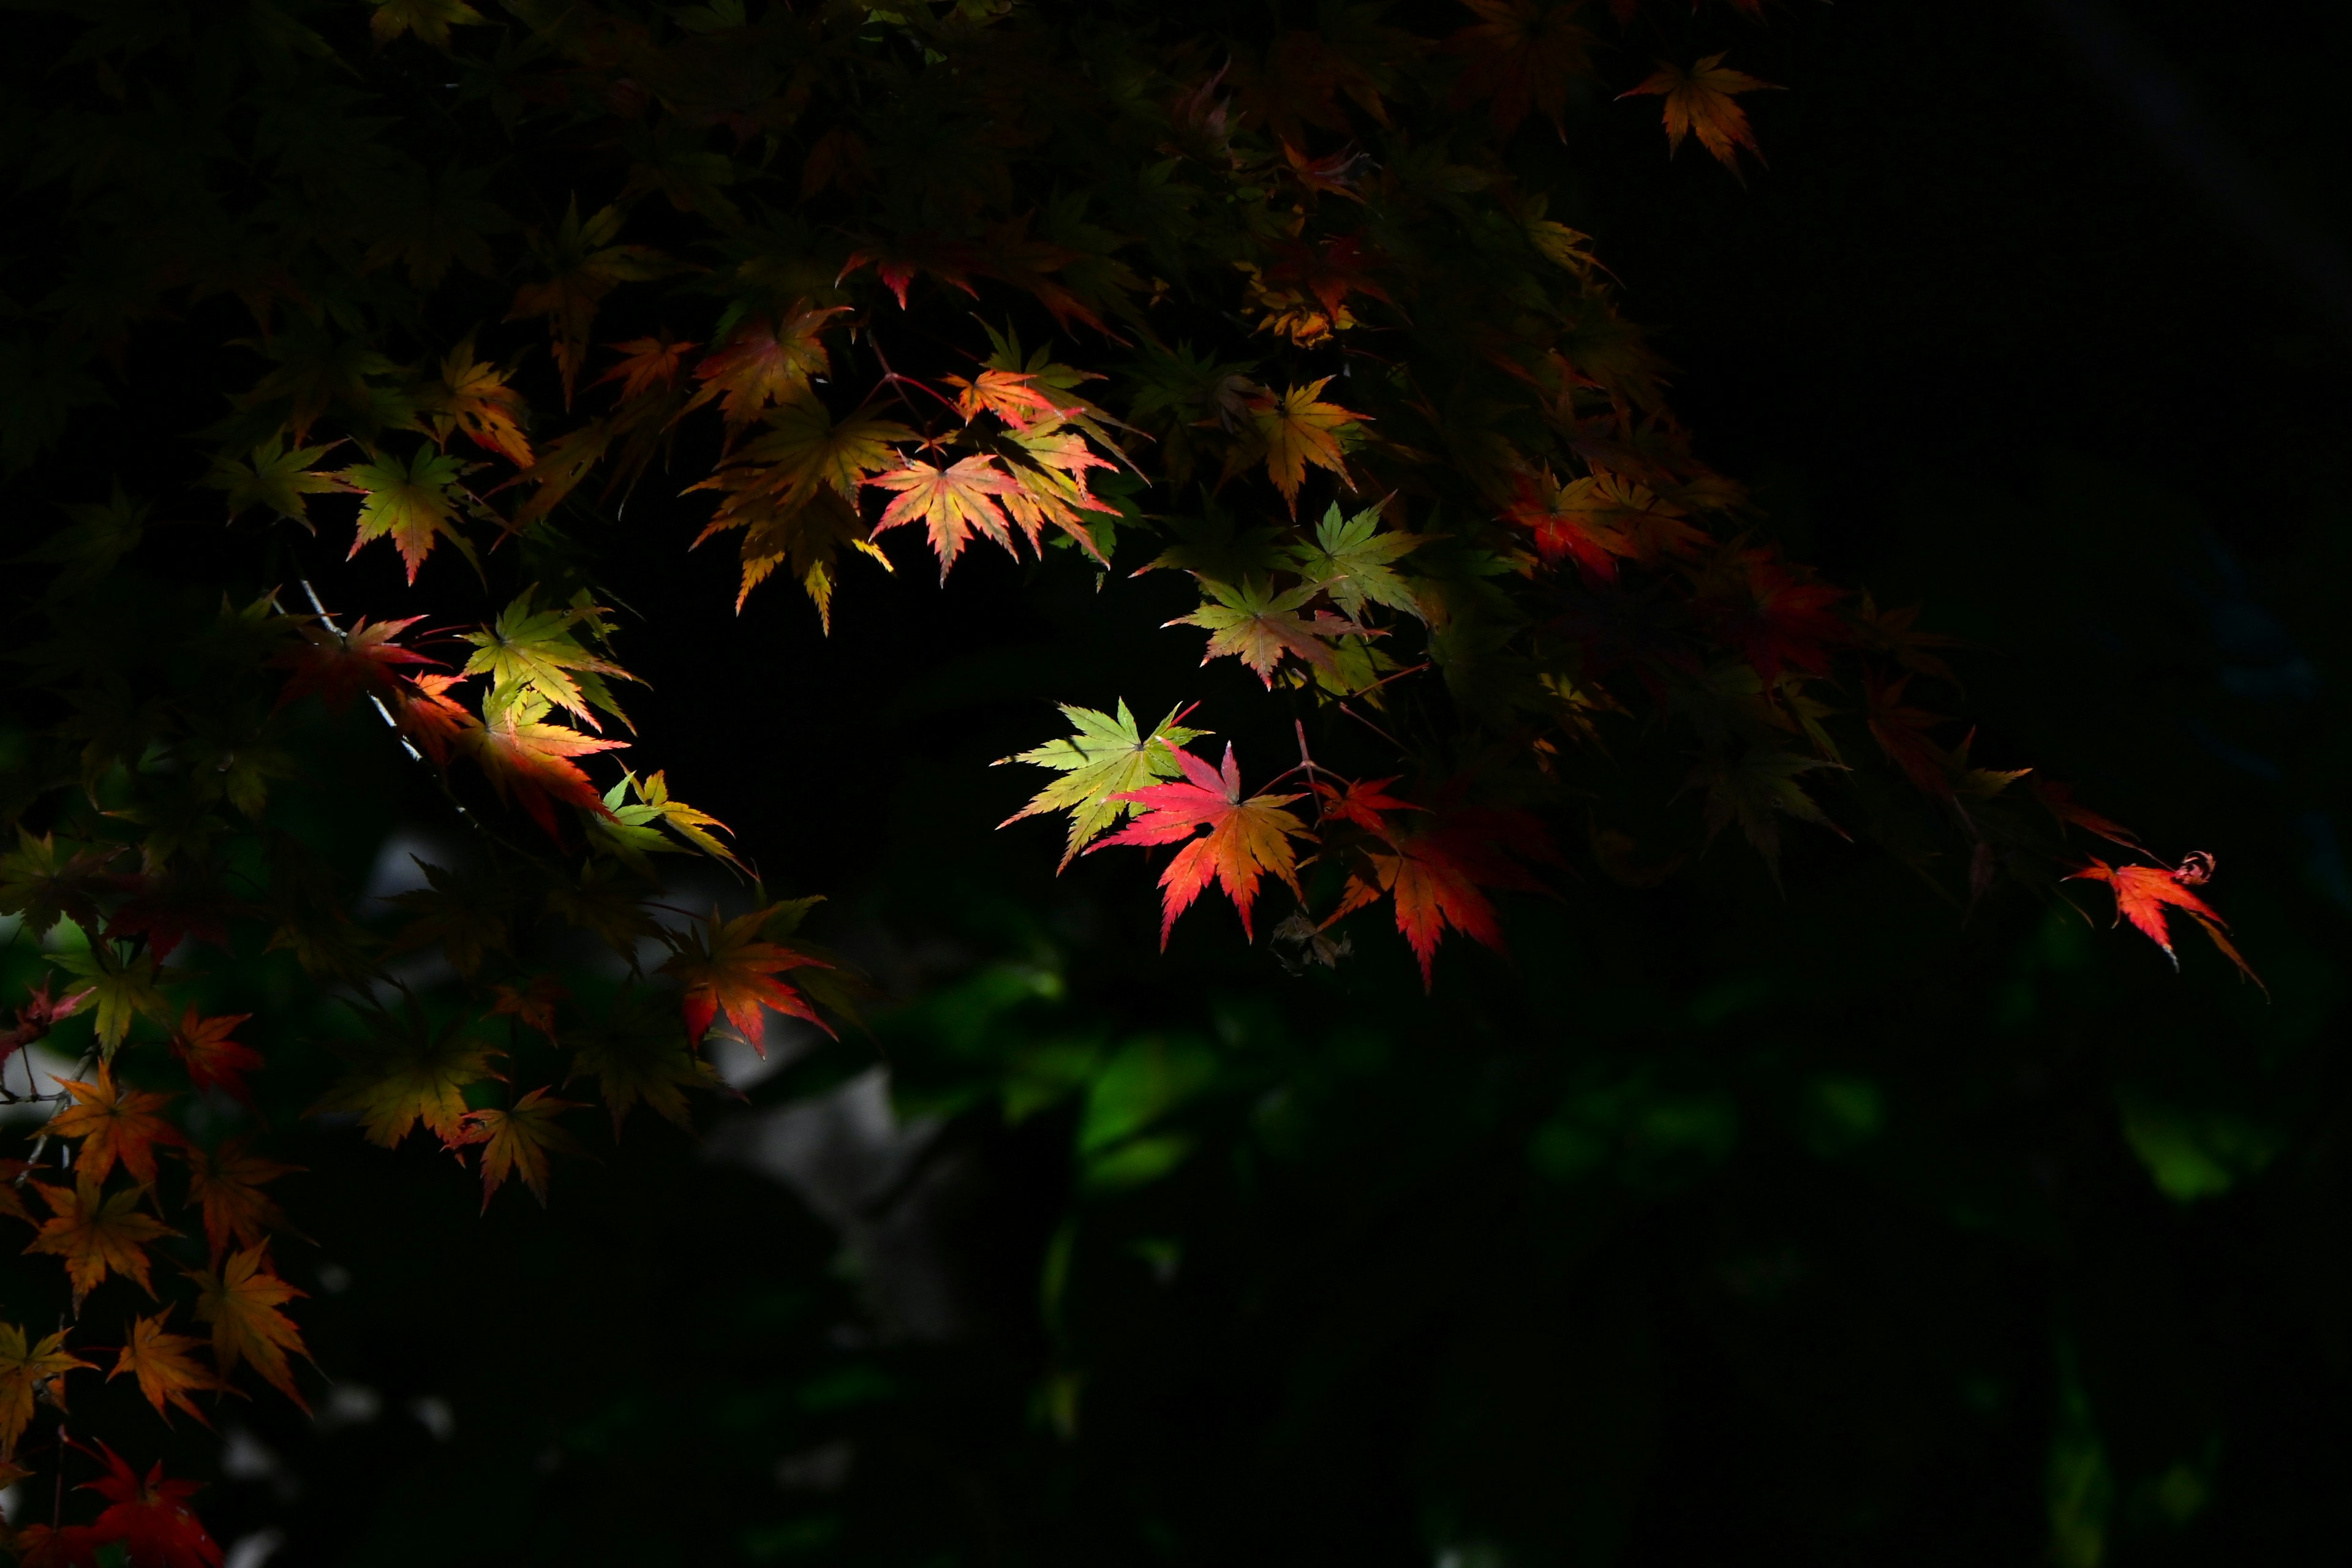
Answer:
(226, 1184)
(1246, 839)
(763, 363)
(648, 364)
(1298, 430)
(161, 1361)
(1703, 100)
(432, 721)
(1435, 863)
(241, 1301)
(114, 1124)
(2143, 894)
(212, 1058)
(585, 264)
(96, 1234)
(951, 501)
(517, 1142)
(728, 967)
(25, 1369)
(529, 761)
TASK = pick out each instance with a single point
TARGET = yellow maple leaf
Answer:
(1298, 430)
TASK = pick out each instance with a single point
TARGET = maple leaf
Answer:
(42, 888)
(631, 826)
(432, 719)
(465, 917)
(533, 1006)
(412, 507)
(413, 1071)
(430, 20)
(1755, 791)
(240, 1301)
(1048, 469)
(340, 665)
(1350, 560)
(1902, 733)
(1257, 626)
(529, 761)
(1435, 863)
(567, 461)
(114, 1125)
(727, 967)
(583, 265)
(517, 1142)
(225, 1185)
(26, 1370)
(119, 989)
(763, 363)
(636, 1057)
(950, 502)
(533, 653)
(647, 365)
(162, 1361)
(897, 262)
(806, 447)
(806, 536)
(1520, 55)
(146, 1522)
(473, 396)
(1246, 839)
(1597, 518)
(94, 1232)
(1774, 615)
(2058, 798)
(1298, 430)
(1103, 759)
(1704, 99)
(274, 475)
(2143, 894)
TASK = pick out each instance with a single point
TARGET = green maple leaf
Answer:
(412, 506)
(633, 828)
(532, 654)
(274, 475)
(1350, 560)
(119, 989)
(413, 1071)
(1107, 757)
(430, 20)
(636, 1054)
(1257, 626)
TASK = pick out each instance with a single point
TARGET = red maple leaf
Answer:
(342, 666)
(148, 1521)
(1246, 839)
(1773, 615)
(432, 721)
(1434, 862)
(212, 1058)
(2143, 894)
(728, 967)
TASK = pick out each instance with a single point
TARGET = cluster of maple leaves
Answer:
(1335, 362)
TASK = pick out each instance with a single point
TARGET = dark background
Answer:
(1721, 1224)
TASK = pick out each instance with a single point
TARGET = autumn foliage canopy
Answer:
(505, 307)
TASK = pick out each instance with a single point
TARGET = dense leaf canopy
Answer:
(446, 441)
